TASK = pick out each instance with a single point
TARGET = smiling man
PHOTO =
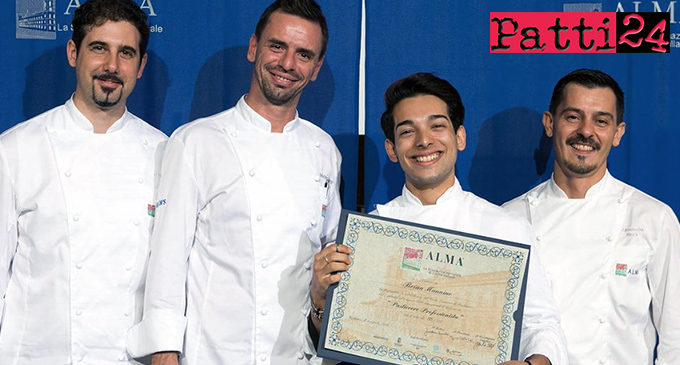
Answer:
(247, 197)
(612, 252)
(75, 185)
(423, 126)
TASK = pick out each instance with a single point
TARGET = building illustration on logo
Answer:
(36, 19)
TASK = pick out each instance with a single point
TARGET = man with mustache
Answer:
(247, 197)
(75, 187)
(611, 252)
(423, 126)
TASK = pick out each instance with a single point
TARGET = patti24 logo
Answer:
(591, 32)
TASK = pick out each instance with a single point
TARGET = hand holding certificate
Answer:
(422, 295)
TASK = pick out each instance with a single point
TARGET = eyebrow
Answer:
(581, 112)
(311, 53)
(430, 118)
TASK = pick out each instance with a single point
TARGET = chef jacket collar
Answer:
(598, 189)
(449, 194)
(82, 123)
(258, 121)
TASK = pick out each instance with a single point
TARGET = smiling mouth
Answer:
(427, 158)
(582, 147)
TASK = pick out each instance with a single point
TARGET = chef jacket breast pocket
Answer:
(629, 285)
(318, 205)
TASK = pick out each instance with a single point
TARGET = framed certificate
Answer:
(423, 295)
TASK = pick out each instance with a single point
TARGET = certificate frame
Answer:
(353, 225)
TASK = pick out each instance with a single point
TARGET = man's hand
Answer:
(332, 259)
(165, 358)
(535, 360)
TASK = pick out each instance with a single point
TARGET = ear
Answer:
(548, 124)
(71, 52)
(620, 130)
(252, 48)
(317, 67)
(391, 153)
(142, 65)
(460, 138)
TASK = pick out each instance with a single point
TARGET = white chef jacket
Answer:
(74, 236)
(465, 212)
(613, 262)
(241, 213)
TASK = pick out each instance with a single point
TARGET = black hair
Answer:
(590, 79)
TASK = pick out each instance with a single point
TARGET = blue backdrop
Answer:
(197, 67)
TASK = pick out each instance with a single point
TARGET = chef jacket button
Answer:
(76, 218)
(264, 312)
(140, 180)
(538, 238)
(610, 238)
(316, 179)
(603, 361)
(313, 223)
(308, 265)
(602, 320)
(620, 201)
(128, 268)
(126, 314)
(603, 275)
(67, 174)
(79, 266)
(233, 134)
(145, 142)
(264, 264)
(299, 355)
(79, 312)
(259, 218)
(135, 222)
(251, 172)
(317, 144)
(263, 357)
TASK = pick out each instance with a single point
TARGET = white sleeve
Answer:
(541, 330)
(8, 227)
(664, 284)
(334, 207)
(163, 323)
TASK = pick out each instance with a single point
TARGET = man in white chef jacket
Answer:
(75, 187)
(611, 252)
(246, 198)
(424, 132)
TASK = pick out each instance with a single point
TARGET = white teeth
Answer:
(427, 158)
(582, 147)
(282, 79)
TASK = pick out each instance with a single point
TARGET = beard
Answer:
(278, 96)
(106, 99)
(581, 168)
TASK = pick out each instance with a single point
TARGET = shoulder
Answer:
(32, 127)
(147, 131)
(199, 129)
(640, 202)
(317, 133)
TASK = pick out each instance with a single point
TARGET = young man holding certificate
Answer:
(424, 132)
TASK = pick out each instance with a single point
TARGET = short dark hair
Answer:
(97, 12)
(590, 79)
(421, 83)
(306, 9)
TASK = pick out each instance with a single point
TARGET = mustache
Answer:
(108, 77)
(581, 139)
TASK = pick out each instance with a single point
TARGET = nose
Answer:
(423, 139)
(586, 127)
(287, 60)
(111, 64)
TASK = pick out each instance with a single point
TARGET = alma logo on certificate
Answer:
(413, 259)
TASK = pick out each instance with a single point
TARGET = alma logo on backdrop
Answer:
(37, 19)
